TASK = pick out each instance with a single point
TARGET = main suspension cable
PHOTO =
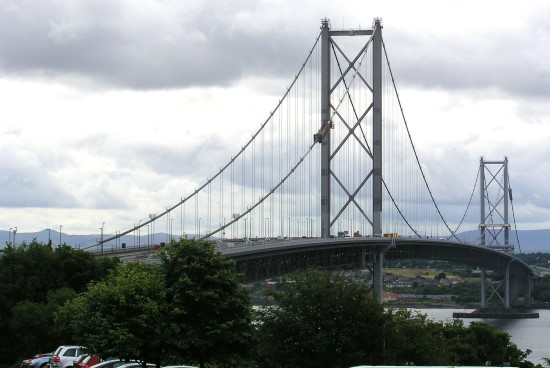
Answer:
(412, 144)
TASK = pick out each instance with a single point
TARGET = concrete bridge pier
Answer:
(507, 285)
(521, 286)
(378, 270)
(378, 276)
(483, 292)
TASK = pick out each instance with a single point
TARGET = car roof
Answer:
(135, 364)
(109, 362)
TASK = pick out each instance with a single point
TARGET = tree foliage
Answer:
(29, 273)
(416, 339)
(209, 308)
(191, 307)
(321, 320)
(124, 315)
(324, 320)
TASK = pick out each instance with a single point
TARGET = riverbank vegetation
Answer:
(192, 308)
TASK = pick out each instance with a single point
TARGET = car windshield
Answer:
(57, 351)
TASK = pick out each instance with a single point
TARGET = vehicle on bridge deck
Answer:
(392, 235)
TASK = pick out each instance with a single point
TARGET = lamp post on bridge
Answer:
(139, 234)
(101, 241)
(152, 218)
(267, 227)
(60, 227)
(14, 232)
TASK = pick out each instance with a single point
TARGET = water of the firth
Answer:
(529, 333)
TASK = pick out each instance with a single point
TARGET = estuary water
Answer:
(529, 333)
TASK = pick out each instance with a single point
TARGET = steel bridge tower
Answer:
(324, 136)
(499, 232)
(494, 226)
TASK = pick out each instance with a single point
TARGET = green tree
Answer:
(416, 339)
(412, 338)
(77, 268)
(541, 291)
(321, 320)
(124, 315)
(210, 311)
(32, 321)
(28, 273)
(492, 345)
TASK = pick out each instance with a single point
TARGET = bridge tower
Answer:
(494, 227)
(327, 109)
(324, 135)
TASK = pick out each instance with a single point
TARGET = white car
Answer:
(64, 356)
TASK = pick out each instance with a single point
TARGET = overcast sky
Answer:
(114, 109)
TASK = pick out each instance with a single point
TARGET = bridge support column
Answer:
(378, 276)
(507, 286)
(363, 258)
(483, 292)
(378, 270)
(528, 291)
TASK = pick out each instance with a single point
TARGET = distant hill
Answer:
(79, 241)
(530, 241)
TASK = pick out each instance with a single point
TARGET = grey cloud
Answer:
(102, 43)
(27, 182)
(506, 61)
(193, 160)
(178, 45)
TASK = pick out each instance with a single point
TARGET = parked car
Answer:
(136, 365)
(112, 363)
(64, 356)
(27, 362)
(89, 361)
(41, 361)
(78, 360)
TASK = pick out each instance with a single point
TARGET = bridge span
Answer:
(265, 258)
(260, 261)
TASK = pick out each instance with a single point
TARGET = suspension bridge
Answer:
(332, 178)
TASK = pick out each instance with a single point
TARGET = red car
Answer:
(89, 361)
